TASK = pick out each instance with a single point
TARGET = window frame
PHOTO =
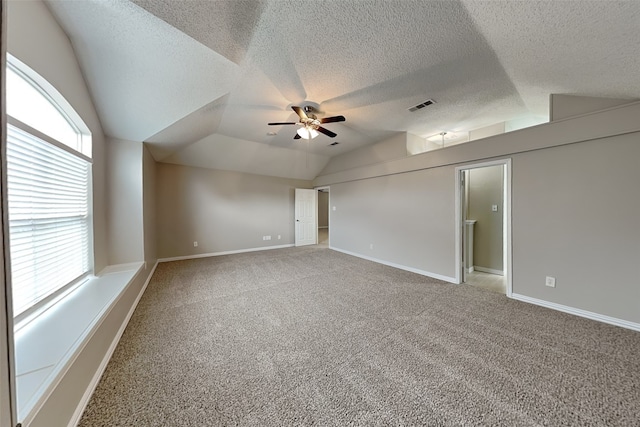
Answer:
(55, 98)
(58, 101)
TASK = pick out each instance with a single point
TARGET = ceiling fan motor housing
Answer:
(310, 122)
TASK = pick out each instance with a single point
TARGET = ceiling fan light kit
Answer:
(310, 123)
(307, 132)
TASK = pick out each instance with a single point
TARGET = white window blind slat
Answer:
(52, 251)
(48, 217)
(41, 157)
(40, 160)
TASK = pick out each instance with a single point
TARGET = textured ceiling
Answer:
(199, 80)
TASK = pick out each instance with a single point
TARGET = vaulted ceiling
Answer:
(198, 81)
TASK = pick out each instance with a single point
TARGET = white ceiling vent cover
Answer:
(424, 104)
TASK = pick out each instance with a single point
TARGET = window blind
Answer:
(48, 218)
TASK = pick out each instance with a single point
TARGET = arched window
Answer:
(48, 176)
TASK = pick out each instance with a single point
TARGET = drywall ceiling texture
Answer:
(199, 79)
(585, 48)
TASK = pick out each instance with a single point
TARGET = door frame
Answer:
(506, 223)
(328, 188)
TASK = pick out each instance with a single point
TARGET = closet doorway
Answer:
(483, 212)
(323, 216)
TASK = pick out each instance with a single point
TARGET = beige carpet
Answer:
(309, 336)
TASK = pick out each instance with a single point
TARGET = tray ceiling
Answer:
(199, 80)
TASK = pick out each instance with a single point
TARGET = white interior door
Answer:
(306, 217)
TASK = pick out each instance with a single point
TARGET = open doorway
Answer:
(483, 218)
(323, 216)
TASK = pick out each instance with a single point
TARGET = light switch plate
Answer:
(550, 282)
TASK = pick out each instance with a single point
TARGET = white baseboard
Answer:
(488, 270)
(82, 404)
(401, 267)
(578, 312)
(207, 255)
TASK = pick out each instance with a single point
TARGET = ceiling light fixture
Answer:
(311, 124)
(307, 132)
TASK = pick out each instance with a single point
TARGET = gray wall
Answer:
(574, 188)
(323, 209)
(486, 189)
(221, 210)
(149, 206)
(126, 229)
(563, 106)
(575, 210)
(406, 217)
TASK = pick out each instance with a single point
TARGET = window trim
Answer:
(57, 100)
(33, 82)
(66, 110)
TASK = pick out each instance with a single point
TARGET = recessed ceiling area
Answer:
(198, 81)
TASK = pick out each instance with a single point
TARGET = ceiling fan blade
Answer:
(333, 119)
(300, 112)
(297, 136)
(326, 132)
(281, 123)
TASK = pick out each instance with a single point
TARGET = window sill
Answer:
(47, 345)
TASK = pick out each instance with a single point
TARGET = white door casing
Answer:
(306, 217)
(506, 235)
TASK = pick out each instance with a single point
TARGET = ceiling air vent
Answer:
(333, 143)
(424, 104)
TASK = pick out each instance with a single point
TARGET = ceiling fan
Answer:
(310, 123)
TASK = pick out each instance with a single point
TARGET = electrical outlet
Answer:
(279, 237)
(494, 208)
(268, 237)
(371, 246)
(195, 244)
(550, 282)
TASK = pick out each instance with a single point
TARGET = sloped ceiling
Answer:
(198, 81)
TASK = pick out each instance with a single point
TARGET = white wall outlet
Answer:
(494, 208)
(279, 237)
(370, 245)
(268, 237)
(550, 282)
(195, 244)
(333, 209)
